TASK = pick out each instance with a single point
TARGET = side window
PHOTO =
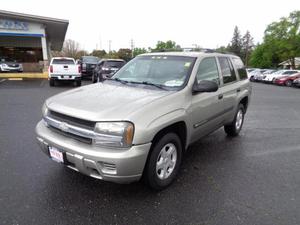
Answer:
(239, 65)
(208, 70)
(227, 70)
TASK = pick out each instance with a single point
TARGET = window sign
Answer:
(13, 25)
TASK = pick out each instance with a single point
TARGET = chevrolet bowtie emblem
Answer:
(64, 127)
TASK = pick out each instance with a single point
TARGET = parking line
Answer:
(2, 80)
(15, 78)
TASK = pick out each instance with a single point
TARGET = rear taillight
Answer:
(79, 69)
(51, 69)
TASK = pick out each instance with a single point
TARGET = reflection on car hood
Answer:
(104, 101)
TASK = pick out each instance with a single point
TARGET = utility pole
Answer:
(100, 42)
(132, 47)
(109, 46)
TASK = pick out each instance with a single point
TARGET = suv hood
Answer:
(108, 101)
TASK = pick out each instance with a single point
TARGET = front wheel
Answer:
(233, 129)
(164, 162)
(288, 83)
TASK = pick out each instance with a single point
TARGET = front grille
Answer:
(58, 119)
(72, 120)
(14, 65)
(76, 137)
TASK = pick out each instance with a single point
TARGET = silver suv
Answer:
(141, 121)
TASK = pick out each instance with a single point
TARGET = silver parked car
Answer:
(141, 121)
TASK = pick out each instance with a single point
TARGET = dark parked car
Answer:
(106, 68)
(88, 64)
(287, 80)
(10, 65)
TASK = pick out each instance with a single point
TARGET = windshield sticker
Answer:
(173, 83)
(187, 64)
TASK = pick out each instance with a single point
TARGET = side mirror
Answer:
(205, 86)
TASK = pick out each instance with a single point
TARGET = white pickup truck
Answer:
(64, 69)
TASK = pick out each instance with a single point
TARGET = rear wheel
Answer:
(78, 83)
(94, 78)
(51, 82)
(288, 83)
(233, 129)
(163, 162)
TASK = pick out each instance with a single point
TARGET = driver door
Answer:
(206, 108)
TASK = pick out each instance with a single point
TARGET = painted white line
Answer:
(2, 80)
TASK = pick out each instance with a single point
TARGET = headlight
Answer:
(4, 65)
(104, 68)
(114, 134)
(45, 110)
(83, 65)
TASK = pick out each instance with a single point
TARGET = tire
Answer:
(233, 129)
(78, 83)
(252, 79)
(51, 82)
(159, 178)
(94, 80)
(288, 83)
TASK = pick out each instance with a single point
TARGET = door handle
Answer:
(220, 96)
(238, 90)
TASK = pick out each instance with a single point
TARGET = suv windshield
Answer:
(167, 71)
(117, 64)
(90, 59)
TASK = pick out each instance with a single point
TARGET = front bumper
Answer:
(116, 165)
(12, 69)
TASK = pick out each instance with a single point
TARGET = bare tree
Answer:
(70, 48)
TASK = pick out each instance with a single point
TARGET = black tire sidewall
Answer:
(152, 179)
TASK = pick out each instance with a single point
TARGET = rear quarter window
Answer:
(239, 65)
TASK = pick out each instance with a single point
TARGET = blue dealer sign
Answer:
(13, 25)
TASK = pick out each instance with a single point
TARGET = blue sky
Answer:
(208, 24)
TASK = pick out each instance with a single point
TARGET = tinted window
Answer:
(240, 68)
(117, 64)
(90, 59)
(63, 61)
(208, 70)
(227, 70)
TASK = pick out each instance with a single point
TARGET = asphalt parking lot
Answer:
(252, 179)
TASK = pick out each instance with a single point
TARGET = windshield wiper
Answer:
(119, 80)
(152, 84)
(136, 82)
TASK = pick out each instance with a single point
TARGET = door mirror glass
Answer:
(205, 86)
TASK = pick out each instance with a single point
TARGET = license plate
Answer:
(56, 155)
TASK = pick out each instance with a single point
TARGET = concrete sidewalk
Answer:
(24, 75)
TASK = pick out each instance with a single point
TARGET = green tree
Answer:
(166, 46)
(124, 53)
(247, 47)
(235, 45)
(99, 53)
(138, 51)
(281, 41)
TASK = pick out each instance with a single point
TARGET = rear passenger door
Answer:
(229, 88)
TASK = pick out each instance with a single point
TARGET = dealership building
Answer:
(29, 39)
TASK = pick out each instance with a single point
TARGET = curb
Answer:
(24, 75)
